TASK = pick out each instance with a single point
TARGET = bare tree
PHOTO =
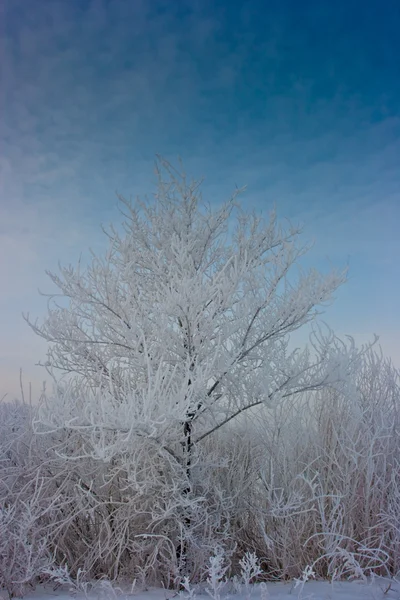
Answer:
(181, 327)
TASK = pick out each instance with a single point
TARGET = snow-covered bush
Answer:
(23, 545)
(250, 571)
(24, 548)
(216, 573)
(321, 488)
(312, 482)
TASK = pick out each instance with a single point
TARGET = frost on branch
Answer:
(217, 570)
(181, 321)
(180, 328)
(250, 570)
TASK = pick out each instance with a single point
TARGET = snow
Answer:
(312, 590)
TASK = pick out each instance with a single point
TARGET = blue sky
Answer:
(298, 100)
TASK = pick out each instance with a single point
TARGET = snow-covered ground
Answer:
(312, 590)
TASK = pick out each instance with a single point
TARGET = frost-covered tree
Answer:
(182, 326)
